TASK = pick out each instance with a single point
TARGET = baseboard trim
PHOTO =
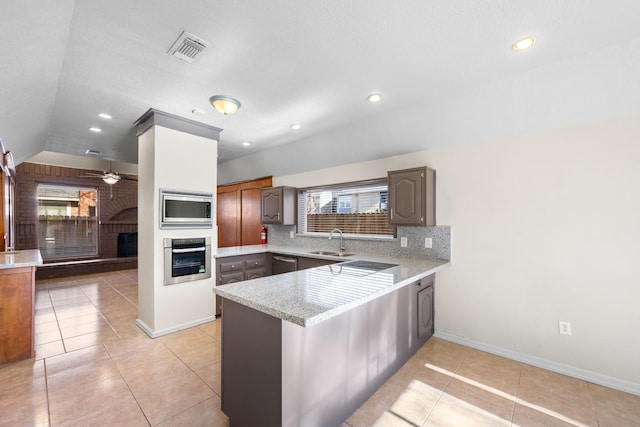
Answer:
(155, 334)
(561, 368)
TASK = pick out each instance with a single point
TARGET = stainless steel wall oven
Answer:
(186, 260)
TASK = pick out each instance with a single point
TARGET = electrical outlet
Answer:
(291, 234)
(403, 242)
(428, 242)
(564, 327)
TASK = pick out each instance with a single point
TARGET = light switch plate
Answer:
(428, 242)
(403, 242)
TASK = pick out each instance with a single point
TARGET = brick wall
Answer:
(117, 206)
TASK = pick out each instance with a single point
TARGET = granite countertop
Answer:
(26, 258)
(308, 297)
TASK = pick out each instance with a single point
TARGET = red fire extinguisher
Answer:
(263, 235)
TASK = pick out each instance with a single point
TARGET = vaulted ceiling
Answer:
(62, 62)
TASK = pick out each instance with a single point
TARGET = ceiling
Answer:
(63, 62)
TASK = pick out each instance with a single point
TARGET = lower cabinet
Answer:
(305, 262)
(425, 308)
(238, 268)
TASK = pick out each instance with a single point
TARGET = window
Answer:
(356, 208)
(67, 221)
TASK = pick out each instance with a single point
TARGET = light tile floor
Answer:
(93, 366)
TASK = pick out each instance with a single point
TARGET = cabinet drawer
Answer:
(226, 267)
(255, 262)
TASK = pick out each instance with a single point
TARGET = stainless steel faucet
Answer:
(7, 248)
(342, 248)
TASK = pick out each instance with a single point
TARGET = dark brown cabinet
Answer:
(305, 263)
(425, 308)
(279, 205)
(412, 196)
(242, 267)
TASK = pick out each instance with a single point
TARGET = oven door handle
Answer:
(188, 250)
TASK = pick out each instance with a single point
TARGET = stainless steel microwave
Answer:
(179, 209)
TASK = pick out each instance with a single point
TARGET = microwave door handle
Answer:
(185, 251)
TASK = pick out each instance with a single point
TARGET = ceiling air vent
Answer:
(187, 47)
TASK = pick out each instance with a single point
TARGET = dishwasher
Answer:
(283, 264)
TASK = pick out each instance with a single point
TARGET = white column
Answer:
(178, 154)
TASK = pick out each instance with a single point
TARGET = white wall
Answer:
(545, 227)
(180, 161)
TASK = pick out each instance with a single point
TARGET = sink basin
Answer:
(324, 253)
(329, 253)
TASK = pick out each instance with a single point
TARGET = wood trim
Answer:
(245, 185)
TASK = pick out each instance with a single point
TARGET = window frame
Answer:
(95, 222)
(302, 208)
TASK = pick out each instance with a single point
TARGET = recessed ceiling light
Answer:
(198, 112)
(375, 97)
(246, 143)
(96, 130)
(105, 116)
(295, 126)
(93, 152)
(524, 43)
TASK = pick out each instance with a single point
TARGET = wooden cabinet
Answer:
(412, 196)
(16, 313)
(238, 213)
(279, 205)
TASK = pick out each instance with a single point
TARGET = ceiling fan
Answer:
(110, 177)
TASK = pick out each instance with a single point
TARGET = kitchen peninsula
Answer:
(17, 292)
(310, 346)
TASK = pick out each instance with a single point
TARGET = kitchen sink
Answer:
(329, 253)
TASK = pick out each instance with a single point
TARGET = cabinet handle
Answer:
(421, 219)
(391, 213)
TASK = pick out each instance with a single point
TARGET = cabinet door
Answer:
(225, 279)
(425, 313)
(256, 273)
(250, 217)
(272, 206)
(228, 217)
(412, 196)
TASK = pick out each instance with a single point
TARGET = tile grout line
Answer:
(443, 389)
(127, 383)
(100, 311)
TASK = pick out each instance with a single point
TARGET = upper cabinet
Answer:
(412, 197)
(279, 205)
(238, 212)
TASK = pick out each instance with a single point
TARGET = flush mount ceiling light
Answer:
(105, 116)
(524, 43)
(110, 178)
(224, 104)
(246, 143)
(295, 126)
(375, 97)
(95, 129)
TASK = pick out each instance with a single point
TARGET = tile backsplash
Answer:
(279, 235)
